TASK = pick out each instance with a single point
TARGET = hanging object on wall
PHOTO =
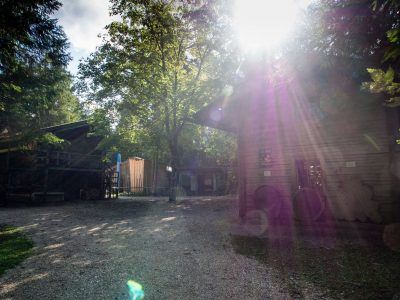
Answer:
(309, 173)
(264, 157)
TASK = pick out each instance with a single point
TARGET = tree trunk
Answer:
(173, 179)
(155, 174)
(172, 185)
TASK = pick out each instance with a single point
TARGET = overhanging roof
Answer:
(66, 131)
(215, 115)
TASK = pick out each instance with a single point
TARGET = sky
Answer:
(83, 21)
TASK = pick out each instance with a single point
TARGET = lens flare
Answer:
(135, 290)
(256, 222)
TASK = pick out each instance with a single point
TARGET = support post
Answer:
(46, 176)
(242, 177)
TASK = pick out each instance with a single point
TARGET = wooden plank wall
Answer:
(124, 176)
(137, 176)
(132, 175)
(352, 145)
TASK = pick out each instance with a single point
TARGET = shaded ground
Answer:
(89, 250)
(343, 272)
(345, 260)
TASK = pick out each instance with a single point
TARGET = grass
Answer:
(14, 247)
(348, 272)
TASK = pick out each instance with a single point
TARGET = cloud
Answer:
(83, 21)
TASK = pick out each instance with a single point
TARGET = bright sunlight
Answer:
(264, 24)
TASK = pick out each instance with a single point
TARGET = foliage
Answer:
(124, 135)
(220, 146)
(51, 139)
(35, 87)
(28, 34)
(362, 33)
(14, 247)
(383, 82)
(393, 51)
(349, 29)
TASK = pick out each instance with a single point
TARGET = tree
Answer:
(35, 88)
(384, 82)
(158, 65)
(364, 34)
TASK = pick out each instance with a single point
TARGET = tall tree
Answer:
(362, 33)
(160, 64)
(35, 88)
(388, 82)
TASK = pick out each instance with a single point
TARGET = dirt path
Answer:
(176, 251)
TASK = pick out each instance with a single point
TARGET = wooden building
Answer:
(202, 181)
(145, 177)
(40, 172)
(312, 147)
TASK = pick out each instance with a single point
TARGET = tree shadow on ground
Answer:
(82, 236)
(345, 271)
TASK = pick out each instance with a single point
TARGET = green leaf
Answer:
(392, 53)
(51, 139)
(393, 35)
(376, 74)
(374, 4)
(389, 75)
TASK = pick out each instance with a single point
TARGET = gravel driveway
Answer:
(89, 250)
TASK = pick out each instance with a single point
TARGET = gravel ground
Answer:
(88, 250)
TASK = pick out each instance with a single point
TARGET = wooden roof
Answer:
(67, 131)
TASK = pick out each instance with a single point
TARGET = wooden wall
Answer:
(140, 176)
(353, 139)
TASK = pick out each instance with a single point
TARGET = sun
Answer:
(265, 24)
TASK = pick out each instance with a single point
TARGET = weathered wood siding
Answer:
(353, 143)
(138, 176)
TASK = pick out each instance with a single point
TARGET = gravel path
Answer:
(88, 250)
